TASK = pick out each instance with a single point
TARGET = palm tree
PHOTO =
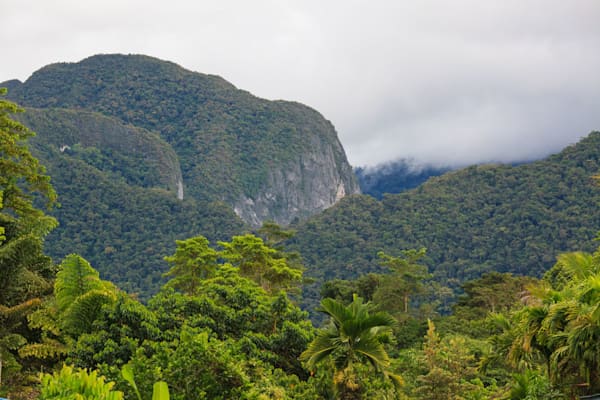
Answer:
(563, 323)
(354, 336)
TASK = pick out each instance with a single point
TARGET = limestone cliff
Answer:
(311, 182)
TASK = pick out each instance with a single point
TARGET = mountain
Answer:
(394, 177)
(269, 160)
(478, 219)
(118, 186)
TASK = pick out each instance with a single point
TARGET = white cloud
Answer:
(442, 82)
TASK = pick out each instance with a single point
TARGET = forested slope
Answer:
(478, 219)
(127, 230)
(117, 186)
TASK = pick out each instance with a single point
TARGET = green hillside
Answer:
(475, 220)
(117, 186)
(124, 152)
(126, 230)
(227, 140)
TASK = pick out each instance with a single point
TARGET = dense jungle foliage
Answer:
(226, 322)
(118, 203)
(471, 221)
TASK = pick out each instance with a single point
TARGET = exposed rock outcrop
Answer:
(312, 182)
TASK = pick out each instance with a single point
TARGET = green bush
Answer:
(68, 384)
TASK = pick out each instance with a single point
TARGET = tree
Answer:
(259, 262)
(450, 366)
(80, 294)
(354, 336)
(25, 272)
(561, 324)
(406, 279)
(193, 261)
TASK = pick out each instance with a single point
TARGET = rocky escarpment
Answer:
(312, 182)
(269, 160)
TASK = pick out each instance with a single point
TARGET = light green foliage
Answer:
(80, 294)
(193, 261)
(227, 338)
(119, 330)
(234, 307)
(532, 385)
(259, 262)
(558, 330)
(451, 368)
(52, 345)
(71, 384)
(353, 337)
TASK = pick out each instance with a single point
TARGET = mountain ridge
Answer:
(478, 219)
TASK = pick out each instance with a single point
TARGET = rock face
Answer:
(269, 160)
(312, 182)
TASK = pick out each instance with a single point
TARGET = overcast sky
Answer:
(442, 82)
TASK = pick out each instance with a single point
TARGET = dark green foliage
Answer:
(125, 231)
(25, 272)
(114, 124)
(476, 220)
(118, 188)
(227, 338)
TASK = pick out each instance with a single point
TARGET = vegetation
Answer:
(25, 272)
(354, 336)
(479, 219)
(225, 324)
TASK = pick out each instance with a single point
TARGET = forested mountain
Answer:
(266, 159)
(394, 177)
(223, 325)
(475, 220)
(117, 187)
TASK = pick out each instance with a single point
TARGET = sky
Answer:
(447, 83)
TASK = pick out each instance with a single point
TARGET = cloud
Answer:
(441, 82)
